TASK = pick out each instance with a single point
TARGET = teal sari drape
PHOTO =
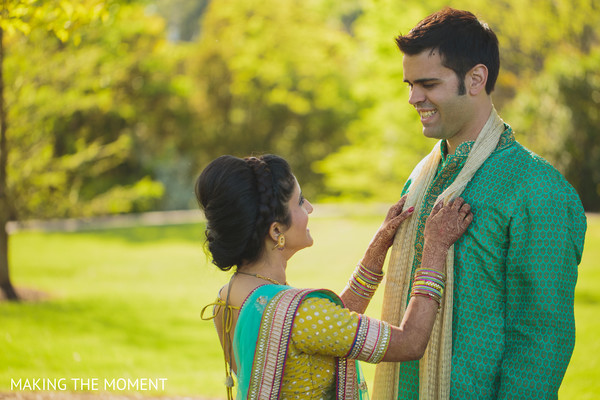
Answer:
(261, 341)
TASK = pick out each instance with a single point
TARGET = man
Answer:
(506, 327)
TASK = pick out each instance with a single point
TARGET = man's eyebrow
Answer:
(421, 80)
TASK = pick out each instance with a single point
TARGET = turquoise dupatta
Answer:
(262, 337)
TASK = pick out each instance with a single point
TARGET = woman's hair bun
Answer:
(241, 198)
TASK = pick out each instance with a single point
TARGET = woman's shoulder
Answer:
(238, 296)
(287, 297)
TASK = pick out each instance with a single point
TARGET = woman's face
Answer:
(297, 236)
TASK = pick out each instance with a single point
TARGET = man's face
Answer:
(434, 93)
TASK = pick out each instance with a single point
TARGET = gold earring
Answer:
(280, 242)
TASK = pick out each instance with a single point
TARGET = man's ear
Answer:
(476, 79)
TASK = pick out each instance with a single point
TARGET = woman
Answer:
(282, 342)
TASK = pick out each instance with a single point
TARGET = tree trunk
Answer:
(5, 284)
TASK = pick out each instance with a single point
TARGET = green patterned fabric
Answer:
(515, 273)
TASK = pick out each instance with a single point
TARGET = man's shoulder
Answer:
(518, 160)
(522, 174)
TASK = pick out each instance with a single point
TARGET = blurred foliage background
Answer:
(114, 106)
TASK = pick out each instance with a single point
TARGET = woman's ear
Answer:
(275, 230)
(477, 78)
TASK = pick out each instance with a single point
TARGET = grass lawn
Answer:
(125, 304)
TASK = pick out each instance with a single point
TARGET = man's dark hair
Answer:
(462, 40)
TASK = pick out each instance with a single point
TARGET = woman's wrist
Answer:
(373, 259)
(429, 283)
(364, 282)
(434, 256)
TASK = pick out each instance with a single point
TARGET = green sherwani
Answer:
(513, 327)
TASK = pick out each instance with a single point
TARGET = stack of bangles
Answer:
(429, 283)
(364, 282)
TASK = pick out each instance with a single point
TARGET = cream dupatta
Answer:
(435, 367)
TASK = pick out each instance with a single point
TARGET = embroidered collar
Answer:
(464, 148)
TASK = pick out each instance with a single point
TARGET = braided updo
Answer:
(241, 198)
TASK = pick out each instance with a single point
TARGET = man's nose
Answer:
(415, 96)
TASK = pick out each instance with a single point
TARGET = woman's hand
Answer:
(384, 237)
(395, 216)
(446, 224)
(377, 251)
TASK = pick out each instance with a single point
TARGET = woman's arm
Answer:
(376, 252)
(443, 227)
(348, 334)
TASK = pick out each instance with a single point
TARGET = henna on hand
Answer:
(447, 223)
(384, 237)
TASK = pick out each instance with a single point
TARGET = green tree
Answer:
(100, 124)
(23, 16)
(273, 77)
(386, 142)
(92, 111)
(549, 76)
(559, 117)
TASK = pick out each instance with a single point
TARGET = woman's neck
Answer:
(266, 267)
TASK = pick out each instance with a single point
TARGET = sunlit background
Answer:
(113, 107)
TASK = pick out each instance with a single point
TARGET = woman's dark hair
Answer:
(241, 198)
(462, 40)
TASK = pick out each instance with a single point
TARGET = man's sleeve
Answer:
(546, 242)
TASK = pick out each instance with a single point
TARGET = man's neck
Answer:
(470, 133)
